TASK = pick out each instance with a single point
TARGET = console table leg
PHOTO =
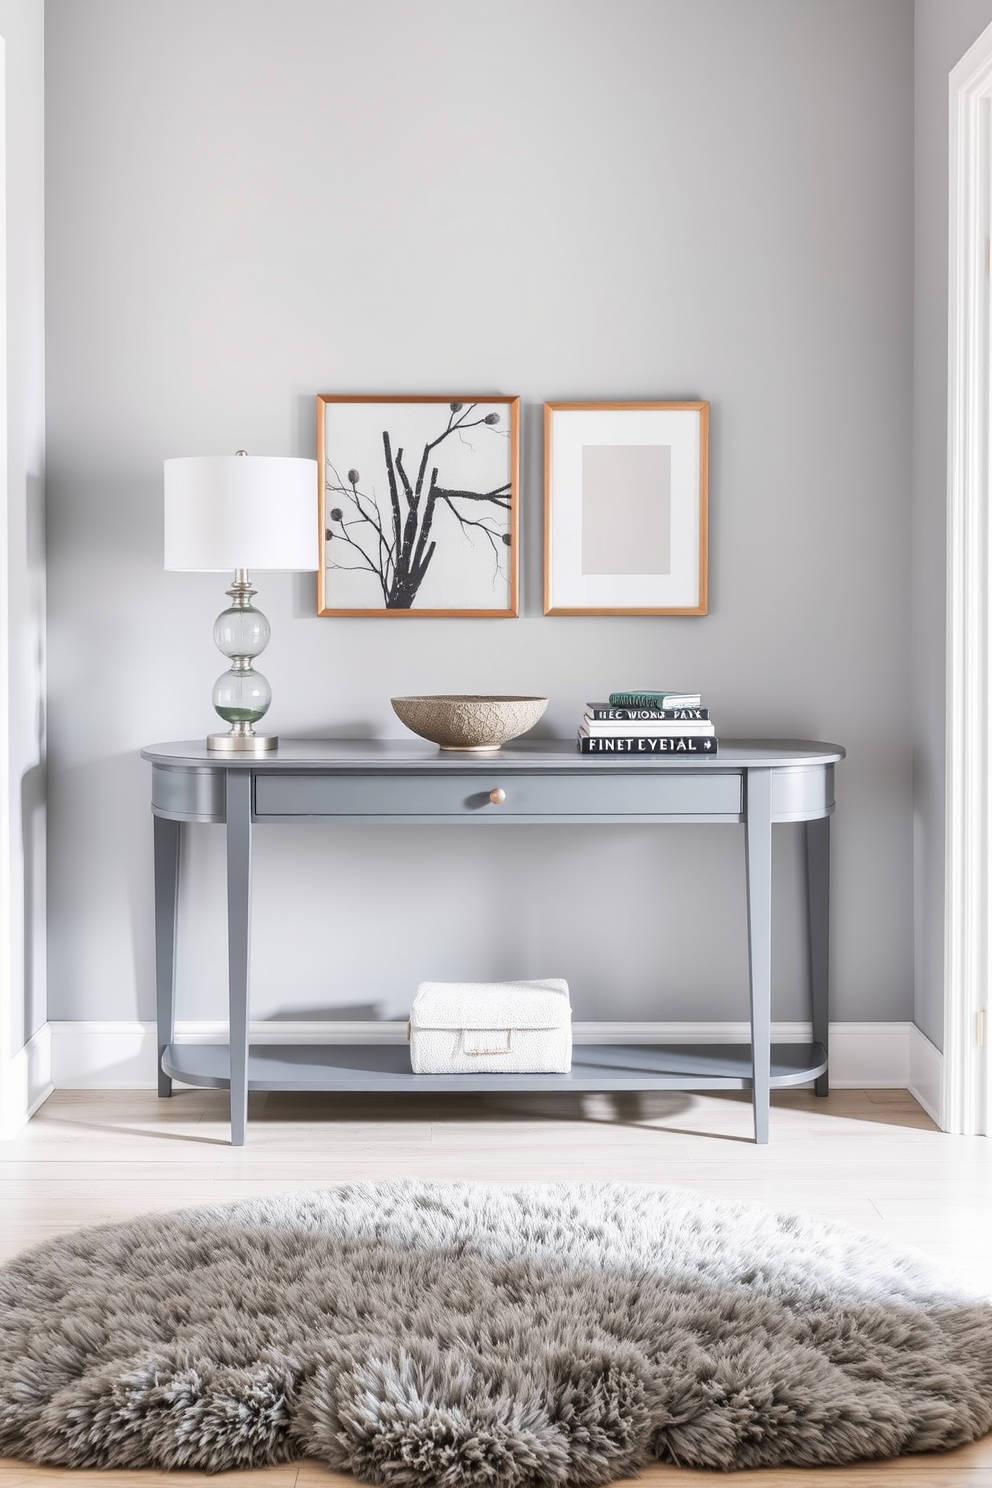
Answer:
(166, 846)
(818, 890)
(758, 851)
(238, 941)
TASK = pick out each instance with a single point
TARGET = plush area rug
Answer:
(420, 1334)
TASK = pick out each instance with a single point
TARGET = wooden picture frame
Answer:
(625, 508)
(419, 505)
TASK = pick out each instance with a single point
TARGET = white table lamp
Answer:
(233, 513)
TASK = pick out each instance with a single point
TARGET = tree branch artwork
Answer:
(393, 533)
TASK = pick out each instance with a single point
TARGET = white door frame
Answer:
(967, 937)
(8, 1099)
(24, 1066)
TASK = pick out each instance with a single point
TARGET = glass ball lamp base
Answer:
(233, 743)
(241, 696)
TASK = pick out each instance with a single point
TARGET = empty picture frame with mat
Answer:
(625, 508)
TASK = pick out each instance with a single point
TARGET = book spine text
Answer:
(638, 715)
(669, 744)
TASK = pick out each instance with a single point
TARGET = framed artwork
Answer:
(419, 505)
(625, 496)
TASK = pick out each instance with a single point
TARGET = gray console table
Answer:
(753, 782)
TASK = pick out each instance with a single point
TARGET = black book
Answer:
(678, 745)
(638, 715)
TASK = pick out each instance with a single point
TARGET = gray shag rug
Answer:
(434, 1335)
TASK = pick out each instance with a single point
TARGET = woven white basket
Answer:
(473, 1028)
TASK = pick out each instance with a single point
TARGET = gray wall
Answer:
(945, 29)
(22, 553)
(251, 203)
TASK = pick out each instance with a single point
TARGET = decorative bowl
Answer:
(478, 724)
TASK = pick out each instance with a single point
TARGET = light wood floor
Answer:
(870, 1157)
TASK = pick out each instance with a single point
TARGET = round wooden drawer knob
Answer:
(497, 796)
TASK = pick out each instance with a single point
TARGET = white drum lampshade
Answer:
(224, 512)
(233, 513)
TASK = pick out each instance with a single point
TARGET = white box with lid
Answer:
(491, 1027)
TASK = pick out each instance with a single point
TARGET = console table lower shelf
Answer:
(381, 1067)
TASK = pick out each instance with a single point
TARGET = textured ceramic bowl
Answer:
(469, 723)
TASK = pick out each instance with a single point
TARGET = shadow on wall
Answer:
(349, 1012)
(33, 1010)
(363, 730)
(34, 792)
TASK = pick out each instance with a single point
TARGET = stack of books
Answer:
(648, 723)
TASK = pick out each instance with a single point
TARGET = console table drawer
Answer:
(706, 793)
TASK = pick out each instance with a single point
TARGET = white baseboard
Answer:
(926, 1074)
(26, 1082)
(870, 1056)
(104, 1056)
(122, 1055)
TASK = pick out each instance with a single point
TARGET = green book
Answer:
(654, 699)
